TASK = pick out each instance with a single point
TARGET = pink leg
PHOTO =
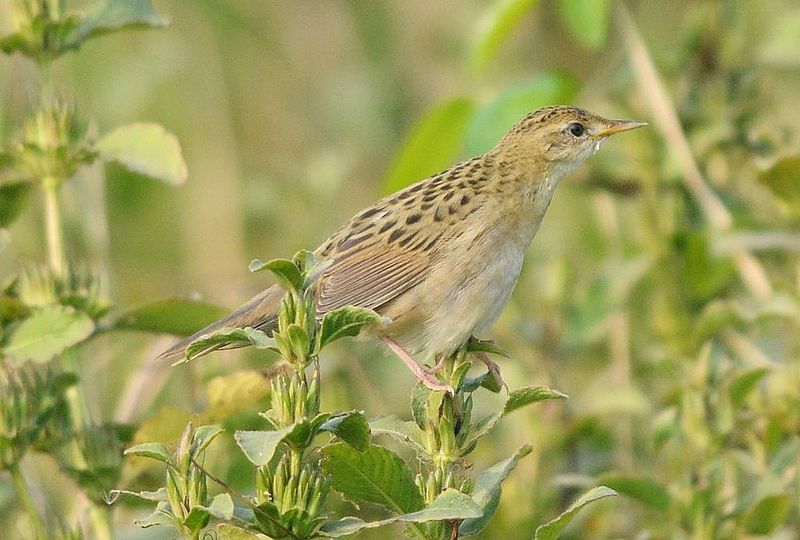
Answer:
(439, 365)
(424, 376)
(494, 370)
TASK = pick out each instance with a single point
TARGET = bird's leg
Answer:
(439, 364)
(494, 370)
(424, 376)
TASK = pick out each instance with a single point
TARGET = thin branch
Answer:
(665, 119)
(26, 500)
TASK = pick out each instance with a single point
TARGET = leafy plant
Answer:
(294, 477)
(49, 310)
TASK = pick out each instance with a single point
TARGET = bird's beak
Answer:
(618, 126)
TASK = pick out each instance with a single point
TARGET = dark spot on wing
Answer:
(369, 213)
(353, 240)
(407, 239)
(397, 233)
(388, 225)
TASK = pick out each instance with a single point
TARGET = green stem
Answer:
(27, 501)
(99, 516)
(75, 399)
(52, 215)
(101, 522)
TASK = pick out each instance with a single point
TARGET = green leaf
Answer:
(114, 15)
(48, 332)
(301, 434)
(487, 491)
(226, 531)
(146, 149)
(179, 317)
(203, 436)
(423, 399)
(530, 394)
(260, 446)
(197, 519)
(551, 529)
(783, 179)
(768, 514)
(43, 37)
(404, 431)
(587, 20)
(488, 347)
(449, 505)
(151, 450)
(377, 475)
(502, 17)
(299, 339)
(343, 322)
(221, 507)
(494, 119)
(11, 43)
(309, 265)
(745, 383)
(433, 144)
(285, 271)
(517, 399)
(228, 337)
(642, 489)
(13, 198)
(351, 427)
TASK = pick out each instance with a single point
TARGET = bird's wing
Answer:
(375, 274)
(390, 247)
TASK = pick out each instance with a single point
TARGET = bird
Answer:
(440, 258)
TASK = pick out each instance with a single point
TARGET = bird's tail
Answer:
(260, 312)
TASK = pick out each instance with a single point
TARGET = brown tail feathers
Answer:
(260, 312)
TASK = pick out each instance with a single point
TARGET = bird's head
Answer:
(560, 137)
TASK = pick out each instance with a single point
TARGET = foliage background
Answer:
(290, 116)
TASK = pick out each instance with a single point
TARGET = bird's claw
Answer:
(428, 378)
(494, 372)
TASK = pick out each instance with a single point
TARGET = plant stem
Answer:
(27, 501)
(52, 215)
(101, 522)
(666, 120)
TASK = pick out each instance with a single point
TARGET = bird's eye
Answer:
(576, 129)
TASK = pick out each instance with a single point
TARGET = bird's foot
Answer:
(494, 371)
(439, 364)
(425, 376)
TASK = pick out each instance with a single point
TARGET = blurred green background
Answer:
(680, 357)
